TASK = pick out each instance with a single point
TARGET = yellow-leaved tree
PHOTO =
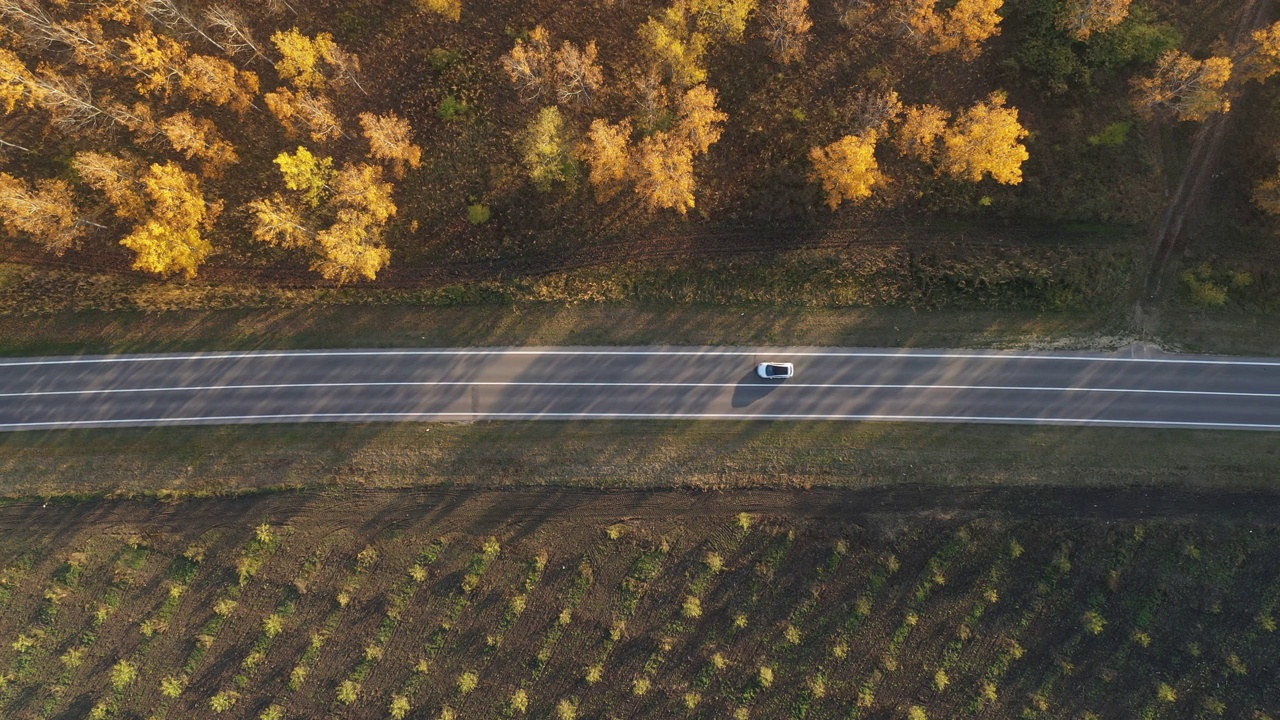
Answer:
(1082, 18)
(170, 238)
(302, 58)
(607, 152)
(46, 212)
(166, 205)
(391, 139)
(352, 247)
(1185, 88)
(154, 60)
(547, 149)
(724, 18)
(967, 25)
(1261, 57)
(847, 168)
(306, 174)
(113, 176)
(921, 127)
(451, 9)
(664, 172)
(698, 120)
(674, 47)
(986, 140)
(280, 223)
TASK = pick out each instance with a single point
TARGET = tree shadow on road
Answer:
(751, 387)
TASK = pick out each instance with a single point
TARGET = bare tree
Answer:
(786, 29)
(345, 66)
(578, 76)
(529, 64)
(70, 102)
(235, 34)
(277, 7)
(174, 15)
(652, 99)
(875, 111)
(39, 30)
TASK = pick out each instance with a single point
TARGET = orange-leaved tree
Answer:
(198, 139)
(391, 139)
(607, 151)
(46, 212)
(1184, 87)
(986, 140)
(1082, 18)
(664, 175)
(847, 168)
(698, 120)
(921, 127)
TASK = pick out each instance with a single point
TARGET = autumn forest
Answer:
(343, 136)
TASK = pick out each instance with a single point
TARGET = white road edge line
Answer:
(620, 353)
(638, 416)
(461, 383)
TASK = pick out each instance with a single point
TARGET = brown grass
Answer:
(233, 459)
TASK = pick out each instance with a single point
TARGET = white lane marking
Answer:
(351, 417)
(461, 383)
(624, 353)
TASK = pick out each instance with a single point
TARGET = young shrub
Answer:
(223, 701)
(172, 687)
(519, 702)
(399, 707)
(467, 682)
(567, 710)
(123, 674)
(692, 607)
(348, 691)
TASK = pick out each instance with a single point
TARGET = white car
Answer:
(775, 370)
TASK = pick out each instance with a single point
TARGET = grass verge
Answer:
(336, 326)
(650, 454)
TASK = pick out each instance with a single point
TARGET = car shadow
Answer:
(751, 387)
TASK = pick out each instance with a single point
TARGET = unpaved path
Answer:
(1193, 188)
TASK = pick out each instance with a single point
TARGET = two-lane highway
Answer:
(1134, 387)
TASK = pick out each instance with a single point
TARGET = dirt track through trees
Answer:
(1193, 187)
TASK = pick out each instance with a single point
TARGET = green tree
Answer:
(546, 149)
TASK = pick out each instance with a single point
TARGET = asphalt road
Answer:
(1137, 386)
